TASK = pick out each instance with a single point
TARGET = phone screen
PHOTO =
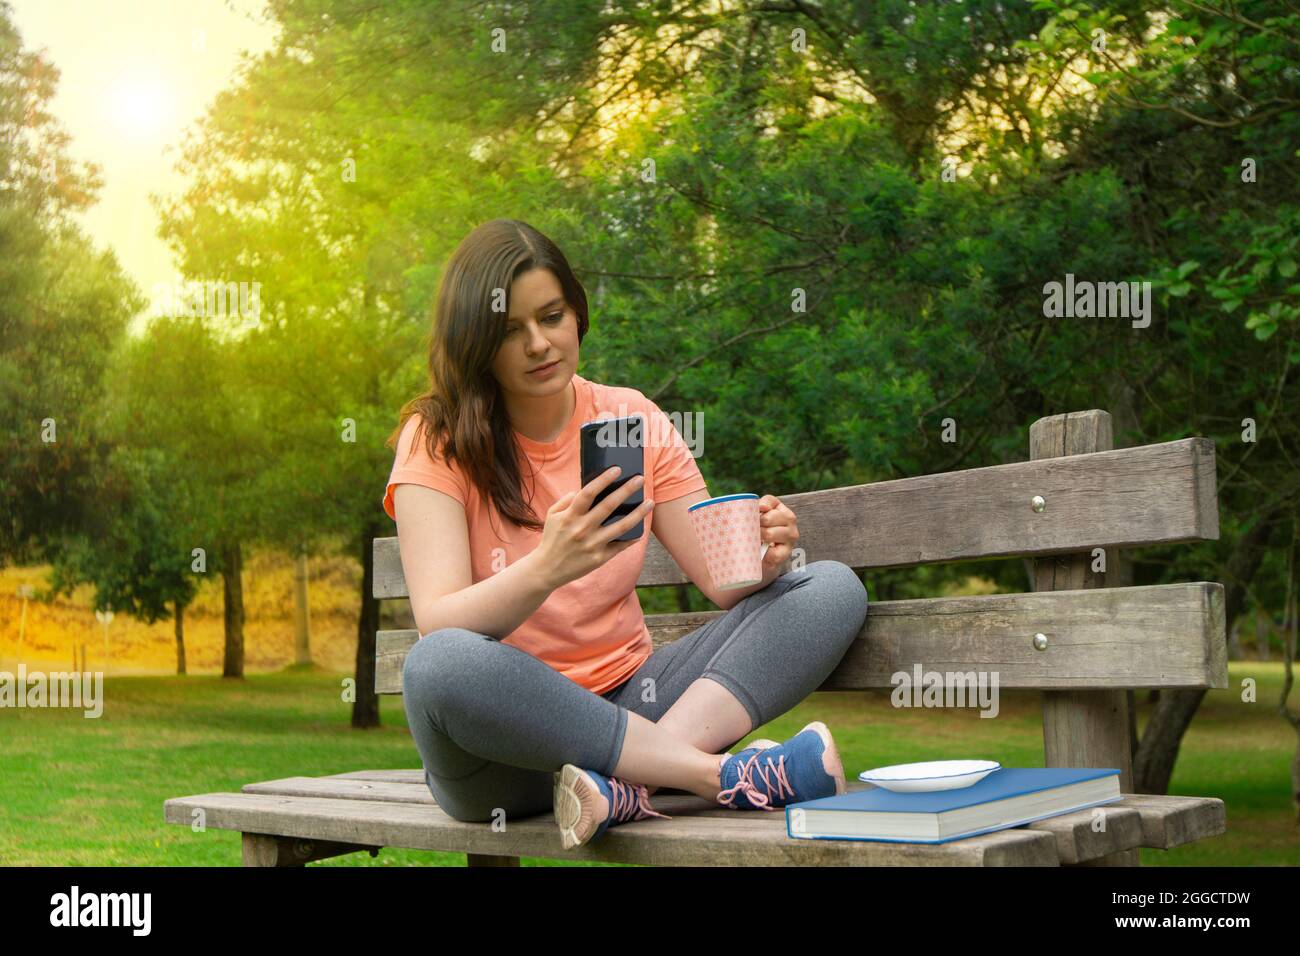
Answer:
(608, 442)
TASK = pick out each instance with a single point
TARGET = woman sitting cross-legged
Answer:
(535, 686)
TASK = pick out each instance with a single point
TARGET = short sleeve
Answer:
(412, 465)
(675, 470)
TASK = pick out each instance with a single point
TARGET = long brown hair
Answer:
(464, 403)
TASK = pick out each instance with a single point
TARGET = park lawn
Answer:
(77, 791)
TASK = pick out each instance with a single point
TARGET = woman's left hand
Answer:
(778, 529)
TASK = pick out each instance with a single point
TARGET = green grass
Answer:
(76, 791)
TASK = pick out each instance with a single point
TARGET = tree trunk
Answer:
(1290, 628)
(1121, 402)
(1173, 712)
(1262, 627)
(302, 620)
(1234, 641)
(231, 575)
(178, 615)
(365, 709)
(683, 598)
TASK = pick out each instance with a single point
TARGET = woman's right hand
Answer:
(574, 542)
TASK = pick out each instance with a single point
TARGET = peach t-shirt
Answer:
(592, 629)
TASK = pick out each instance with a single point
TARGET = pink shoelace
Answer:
(777, 784)
(631, 802)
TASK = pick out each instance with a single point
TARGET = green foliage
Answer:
(62, 306)
(800, 269)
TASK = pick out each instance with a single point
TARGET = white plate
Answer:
(930, 775)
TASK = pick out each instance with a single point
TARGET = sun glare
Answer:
(143, 106)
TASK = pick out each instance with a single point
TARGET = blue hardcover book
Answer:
(1007, 797)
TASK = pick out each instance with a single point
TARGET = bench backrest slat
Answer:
(1166, 635)
(1151, 494)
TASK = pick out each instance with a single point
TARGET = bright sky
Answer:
(133, 75)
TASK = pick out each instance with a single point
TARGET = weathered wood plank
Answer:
(383, 791)
(406, 786)
(745, 840)
(1167, 635)
(1139, 820)
(1153, 494)
(1084, 727)
(407, 776)
(1077, 840)
(1169, 821)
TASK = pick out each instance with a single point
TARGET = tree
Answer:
(133, 546)
(764, 199)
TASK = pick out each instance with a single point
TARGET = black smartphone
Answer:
(607, 442)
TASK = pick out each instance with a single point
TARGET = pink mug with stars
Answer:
(729, 535)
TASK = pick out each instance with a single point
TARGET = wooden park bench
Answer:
(1077, 637)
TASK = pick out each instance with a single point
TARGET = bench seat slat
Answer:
(1076, 839)
(1169, 820)
(1166, 635)
(1166, 820)
(374, 790)
(738, 840)
(350, 809)
(384, 776)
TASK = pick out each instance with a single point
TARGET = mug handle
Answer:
(762, 551)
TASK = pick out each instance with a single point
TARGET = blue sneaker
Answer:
(805, 767)
(587, 803)
(754, 746)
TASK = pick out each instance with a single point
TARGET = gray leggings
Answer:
(492, 722)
